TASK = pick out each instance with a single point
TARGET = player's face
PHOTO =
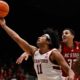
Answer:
(42, 40)
(67, 36)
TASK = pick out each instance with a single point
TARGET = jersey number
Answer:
(70, 61)
(39, 69)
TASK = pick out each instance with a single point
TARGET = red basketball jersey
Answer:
(71, 54)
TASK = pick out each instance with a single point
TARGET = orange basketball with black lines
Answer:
(4, 9)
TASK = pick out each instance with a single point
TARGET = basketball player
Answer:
(71, 50)
(47, 58)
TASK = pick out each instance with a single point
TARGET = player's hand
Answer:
(24, 56)
(19, 60)
(2, 22)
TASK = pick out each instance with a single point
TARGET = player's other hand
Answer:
(20, 60)
(24, 56)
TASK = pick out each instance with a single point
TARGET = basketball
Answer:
(4, 9)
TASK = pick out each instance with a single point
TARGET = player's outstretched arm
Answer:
(23, 56)
(20, 41)
(60, 59)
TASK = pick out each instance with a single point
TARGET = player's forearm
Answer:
(10, 32)
(23, 44)
(68, 70)
(25, 55)
(71, 73)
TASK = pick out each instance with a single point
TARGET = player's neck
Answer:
(70, 44)
(44, 49)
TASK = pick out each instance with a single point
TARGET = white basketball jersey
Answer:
(44, 67)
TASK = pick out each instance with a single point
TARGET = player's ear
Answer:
(49, 43)
(73, 36)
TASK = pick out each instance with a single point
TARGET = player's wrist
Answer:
(2, 22)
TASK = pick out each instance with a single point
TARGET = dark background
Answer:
(29, 17)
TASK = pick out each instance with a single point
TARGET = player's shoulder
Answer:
(55, 50)
(55, 53)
